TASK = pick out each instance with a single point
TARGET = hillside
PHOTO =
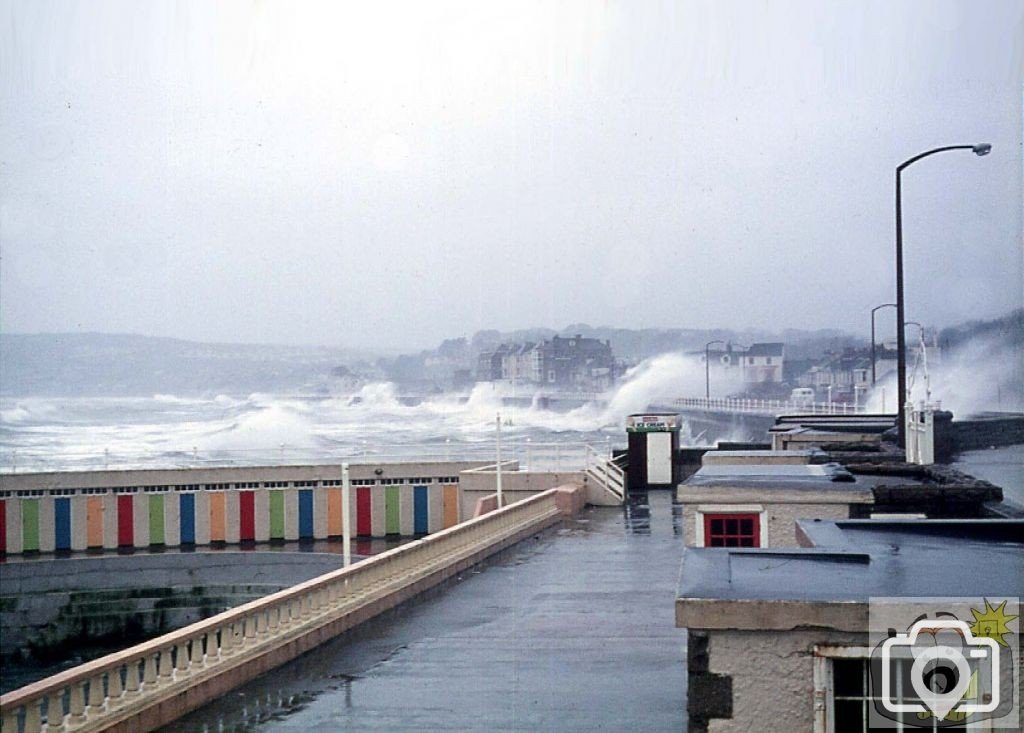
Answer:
(91, 364)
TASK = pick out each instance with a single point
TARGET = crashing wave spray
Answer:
(984, 374)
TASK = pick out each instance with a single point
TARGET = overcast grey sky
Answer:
(392, 173)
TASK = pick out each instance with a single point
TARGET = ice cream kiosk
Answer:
(653, 445)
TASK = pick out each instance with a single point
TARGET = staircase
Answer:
(606, 477)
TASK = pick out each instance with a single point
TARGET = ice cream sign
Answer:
(652, 423)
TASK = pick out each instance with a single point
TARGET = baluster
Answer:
(131, 687)
(196, 657)
(150, 678)
(115, 690)
(9, 721)
(96, 697)
(54, 712)
(181, 660)
(262, 624)
(249, 625)
(165, 668)
(33, 716)
(273, 620)
(77, 715)
(226, 646)
(215, 645)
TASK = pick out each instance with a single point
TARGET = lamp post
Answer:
(873, 311)
(901, 344)
(707, 368)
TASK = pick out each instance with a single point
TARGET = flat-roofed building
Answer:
(780, 639)
(758, 504)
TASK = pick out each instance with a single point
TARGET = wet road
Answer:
(571, 631)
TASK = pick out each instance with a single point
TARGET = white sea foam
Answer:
(981, 375)
(16, 414)
(167, 429)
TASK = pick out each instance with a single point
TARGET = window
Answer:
(732, 530)
(841, 681)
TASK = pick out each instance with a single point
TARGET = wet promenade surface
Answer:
(573, 631)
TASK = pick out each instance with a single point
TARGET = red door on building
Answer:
(247, 516)
(363, 524)
(125, 521)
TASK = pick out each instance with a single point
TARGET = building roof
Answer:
(764, 457)
(848, 562)
(775, 483)
(765, 349)
(860, 423)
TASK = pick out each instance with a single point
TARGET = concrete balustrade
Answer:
(151, 684)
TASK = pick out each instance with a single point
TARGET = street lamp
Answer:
(901, 344)
(707, 368)
(873, 311)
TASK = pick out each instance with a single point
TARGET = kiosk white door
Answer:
(659, 458)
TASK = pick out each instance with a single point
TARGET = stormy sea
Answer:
(373, 423)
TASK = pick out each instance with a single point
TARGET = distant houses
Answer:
(759, 363)
(761, 370)
(576, 363)
(847, 373)
(762, 363)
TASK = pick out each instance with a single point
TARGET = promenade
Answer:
(573, 630)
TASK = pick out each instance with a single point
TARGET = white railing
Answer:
(601, 468)
(122, 686)
(769, 407)
(536, 455)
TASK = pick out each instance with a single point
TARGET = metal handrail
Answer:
(605, 470)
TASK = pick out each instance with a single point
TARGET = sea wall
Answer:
(50, 606)
(988, 431)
